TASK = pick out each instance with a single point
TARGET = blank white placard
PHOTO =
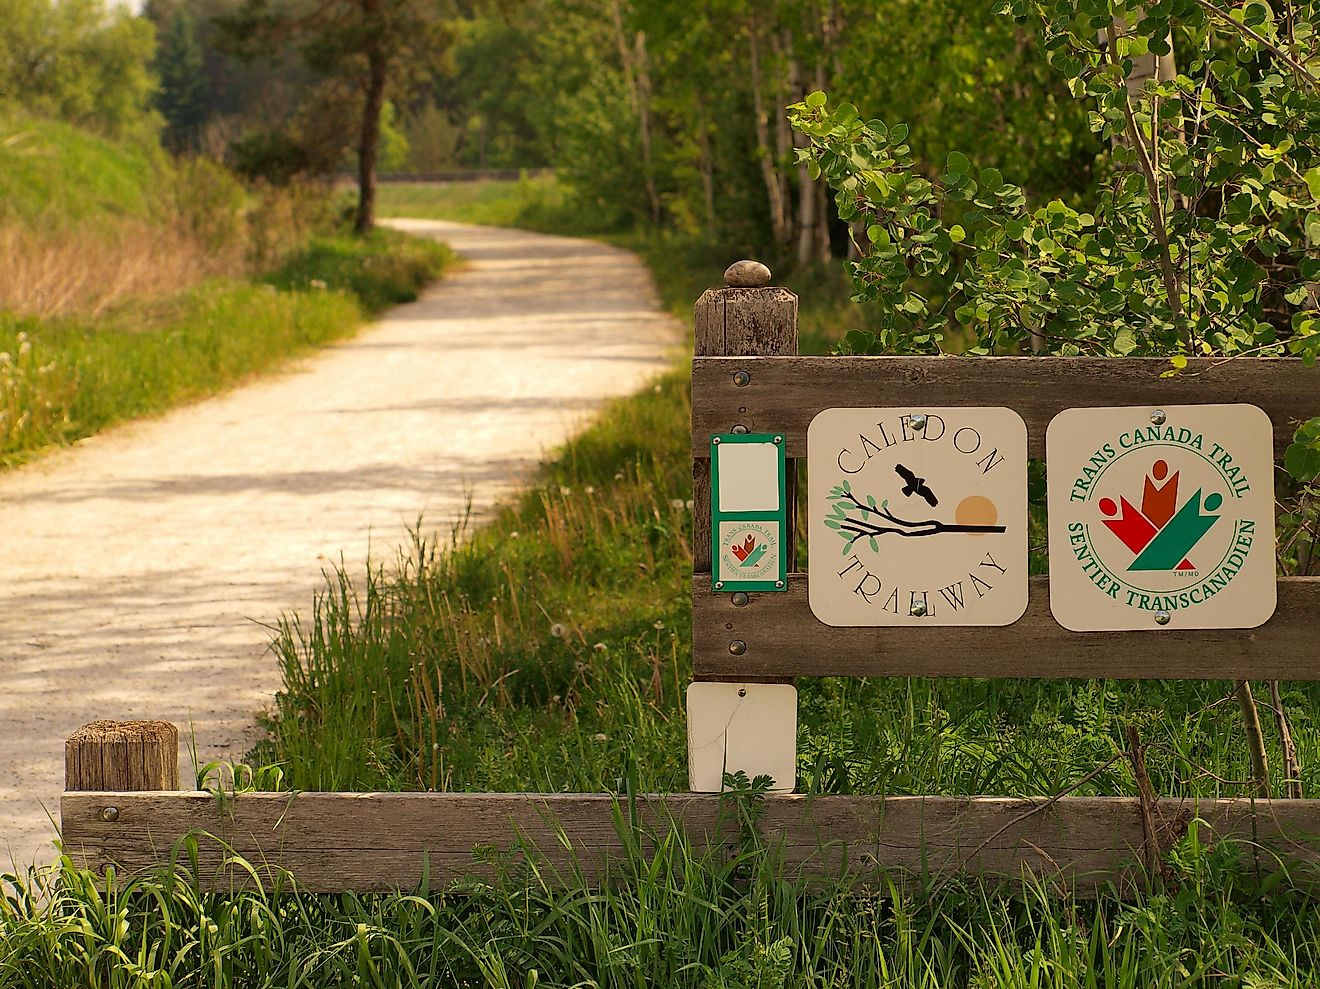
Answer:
(747, 726)
(749, 477)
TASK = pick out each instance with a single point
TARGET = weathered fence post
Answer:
(748, 317)
(122, 756)
(755, 716)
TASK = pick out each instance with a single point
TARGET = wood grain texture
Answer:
(381, 841)
(784, 638)
(738, 321)
(122, 755)
(785, 394)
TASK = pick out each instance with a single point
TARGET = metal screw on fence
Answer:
(737, 647)
(918, 421)
(1162, 617)
(1158, 417)
(740, 599)
(109, 814)
(742, 379)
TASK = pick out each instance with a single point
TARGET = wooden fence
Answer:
(122, 805)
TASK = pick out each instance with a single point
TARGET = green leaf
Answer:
(1302, 462)
(846, 113)
(957, 234)
(957, 163)
(1313, 183)
(991, 179)
(816, 99)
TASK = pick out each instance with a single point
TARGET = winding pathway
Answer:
(137, 568)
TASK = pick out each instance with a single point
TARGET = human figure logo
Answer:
(1161, 534)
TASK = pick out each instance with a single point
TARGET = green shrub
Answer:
(382, 269)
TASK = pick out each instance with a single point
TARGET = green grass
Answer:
(675, 917)
(65, 378)
(380, 270)
(54, 172)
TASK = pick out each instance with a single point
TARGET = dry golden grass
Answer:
(85, 271)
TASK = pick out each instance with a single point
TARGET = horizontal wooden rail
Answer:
(381, 841)
(783, 638)
(783, 394)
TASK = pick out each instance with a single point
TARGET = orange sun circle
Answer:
(976, 510)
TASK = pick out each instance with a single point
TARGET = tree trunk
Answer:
(369, 145)
(806, 212)
(1260, 766)
(644, 121)
(707, 166)
(822, 222)
(634, 62)
(783, 134)
(775, 193)
(820, 211)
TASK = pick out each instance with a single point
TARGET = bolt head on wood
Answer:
(746, 274)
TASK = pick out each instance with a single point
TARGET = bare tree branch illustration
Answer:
(852, 528)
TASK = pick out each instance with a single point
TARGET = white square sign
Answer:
(750, 727)
(918, 516)
(1161, 518)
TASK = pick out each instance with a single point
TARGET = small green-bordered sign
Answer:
(749, 512)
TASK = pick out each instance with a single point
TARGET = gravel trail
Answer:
(137, 568)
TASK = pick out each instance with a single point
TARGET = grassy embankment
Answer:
(133, 283)
(565, 621)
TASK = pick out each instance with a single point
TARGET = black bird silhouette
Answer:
(915, 485)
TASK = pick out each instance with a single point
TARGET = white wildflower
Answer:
(557, 630)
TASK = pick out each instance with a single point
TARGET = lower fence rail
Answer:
(332, 842)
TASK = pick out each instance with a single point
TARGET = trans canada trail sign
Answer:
(1161, 518)
(917, 516)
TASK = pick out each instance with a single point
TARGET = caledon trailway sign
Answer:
(917, 516)
(1161, 517)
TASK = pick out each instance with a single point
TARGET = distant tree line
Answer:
(666, 112)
